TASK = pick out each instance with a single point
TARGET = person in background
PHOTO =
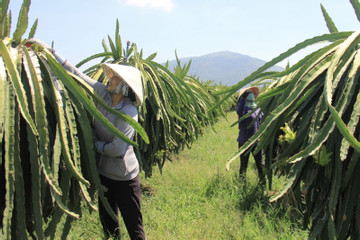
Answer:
(118, 166)
(247, 128)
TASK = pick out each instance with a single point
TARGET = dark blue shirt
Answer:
(246, 127)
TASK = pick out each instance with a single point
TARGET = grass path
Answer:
(182, 206)
(196, 198)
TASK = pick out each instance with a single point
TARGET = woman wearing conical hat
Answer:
(118, 166)
(248, 127)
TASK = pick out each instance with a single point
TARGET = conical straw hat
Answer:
(130, 75)
(255, 91)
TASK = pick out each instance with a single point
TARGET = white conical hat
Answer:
(130, 75)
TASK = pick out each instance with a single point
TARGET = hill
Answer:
(223, 67)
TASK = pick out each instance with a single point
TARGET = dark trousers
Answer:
(244, 160)
(123, 196)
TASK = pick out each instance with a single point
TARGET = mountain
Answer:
(223, 67)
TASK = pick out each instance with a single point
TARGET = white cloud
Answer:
(165, 5)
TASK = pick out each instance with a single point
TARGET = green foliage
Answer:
(288, 136)
(356, 6)
(322, 156)
(5, 19)
(22, 22)
(47, 162)
(319, 98)
(330, 24)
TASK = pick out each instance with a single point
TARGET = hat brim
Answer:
(254, 90)
(130, 75)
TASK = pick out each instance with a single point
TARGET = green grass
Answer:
(196, 198)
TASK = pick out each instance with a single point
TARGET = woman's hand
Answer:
(32, 41)
(100, 146)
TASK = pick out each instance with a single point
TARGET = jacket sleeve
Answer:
(241, 107)
(71, 68)
(68, 66)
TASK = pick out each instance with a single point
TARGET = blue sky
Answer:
(258, 28)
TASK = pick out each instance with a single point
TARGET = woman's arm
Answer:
(63, 61)
(240, 107)
(117, 147)
(71, 68)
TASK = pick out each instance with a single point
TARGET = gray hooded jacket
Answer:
(117, 160)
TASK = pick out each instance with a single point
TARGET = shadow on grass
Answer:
(147, 190)
(244, 195)
(251, 198)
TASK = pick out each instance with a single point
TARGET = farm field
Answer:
(196, 198)
(309, 134)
